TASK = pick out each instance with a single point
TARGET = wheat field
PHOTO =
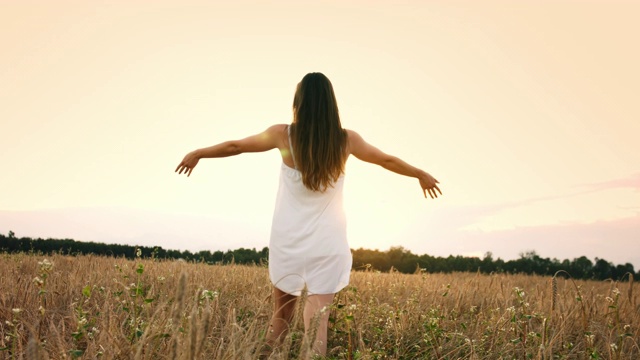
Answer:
(88, 307)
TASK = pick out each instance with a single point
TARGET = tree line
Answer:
(396, 258)
(11, 244)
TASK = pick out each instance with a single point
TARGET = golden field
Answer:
(64, 307)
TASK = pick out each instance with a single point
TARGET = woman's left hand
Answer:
(188, 163)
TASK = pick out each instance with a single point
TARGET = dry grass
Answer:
(95, 307)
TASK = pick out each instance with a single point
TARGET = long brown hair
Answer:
(318, 139)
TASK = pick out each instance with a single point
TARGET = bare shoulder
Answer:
(278, 132)
(351, 133)
(354, 140)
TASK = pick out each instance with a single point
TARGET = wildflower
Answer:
(627, 328)
(519, 292)
(16, 311)
(616, 292)
(161, 278)
(82, 321)
(609, 299)
(38, 281)
(45, 265)
(613, 346)
(208, 294)
(138, 252)
(352, 307)
(589, 339)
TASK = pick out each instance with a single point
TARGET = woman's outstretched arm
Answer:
(264, 141)
(369, 153)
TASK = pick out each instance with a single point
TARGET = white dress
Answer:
(308, 245)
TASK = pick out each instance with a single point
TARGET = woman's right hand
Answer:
(429, 184)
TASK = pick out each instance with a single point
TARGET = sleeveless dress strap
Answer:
(291, 148)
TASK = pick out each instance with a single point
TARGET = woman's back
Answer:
(308, 244)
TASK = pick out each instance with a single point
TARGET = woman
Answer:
(308, 246)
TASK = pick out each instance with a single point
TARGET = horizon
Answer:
(526, 114)
(524, 254)
(172, 240)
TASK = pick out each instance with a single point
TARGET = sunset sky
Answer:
(526, 111)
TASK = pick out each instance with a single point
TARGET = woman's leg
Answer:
(284, 307)
(316, 311)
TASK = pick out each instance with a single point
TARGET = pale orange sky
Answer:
(525, 111)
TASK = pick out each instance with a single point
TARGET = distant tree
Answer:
(204, 256)
(370, 259)
(622, 270)
(402, 259)
(602, 269)
(487, 266)
(217, 257)
(581, 268)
